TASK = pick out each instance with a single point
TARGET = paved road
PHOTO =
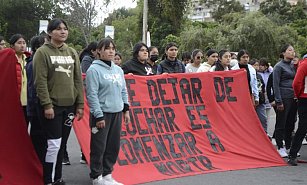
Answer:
(77, 174)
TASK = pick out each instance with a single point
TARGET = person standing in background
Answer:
(197, 57)
(138, 64)
(286, 105)
(87, 56)
(118, 59)
(153, 57)
(300, 91)
(212, 56)
(18, 44)
(243, 59)
(223, 62)
(170, 63)
(36, 132)
(58, 82)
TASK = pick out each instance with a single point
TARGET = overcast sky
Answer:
(115, 4)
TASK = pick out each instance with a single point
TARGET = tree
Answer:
(23, 16)
(82, 13)
(165, 17)
(277, 8)
(223, 7)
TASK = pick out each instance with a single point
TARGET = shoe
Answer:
(282, 152)
(83, 160)
(98, 181)
(108, 180)
(59, 182)
(304, 141)
(66, 161)
(297, 155)
(292, 161)
(270, 137)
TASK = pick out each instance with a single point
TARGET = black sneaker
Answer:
(59, 182)
(292, 161)
(66, 161)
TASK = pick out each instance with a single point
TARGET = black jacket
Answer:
(137, 68)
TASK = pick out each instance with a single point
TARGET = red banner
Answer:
(19, 165)
(188, 124)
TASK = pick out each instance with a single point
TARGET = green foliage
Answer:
(223, 7)
(126, 35)
(281, 11)
(165, 18)
(23, 16)
(252, 31)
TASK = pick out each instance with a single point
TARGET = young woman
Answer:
(108, 99)
(283, 76)
(58, 83)
(260, 108)
(212, 56)
(170, 63)
(36, 132)
(118, 59)
(223, 61)
(197, 57)
(138, 64)
(18, 44)
(87, 56)
(243, 59)
(153, 57)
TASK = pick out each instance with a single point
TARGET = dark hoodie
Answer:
(137, 68)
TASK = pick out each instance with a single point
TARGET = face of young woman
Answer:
(117, 60)
(262, 68)
(212, 58)
(289, 54)
(244, 59)
(20, 46)
(143, 54)
(60, 34)
(107, 53)
(225, 60)
(172, 52)
(256, 66)
(198, 58)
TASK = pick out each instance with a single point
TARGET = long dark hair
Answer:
(284, 49)
(218, 64)
(54, 24)
(15, 38)
(88, 50)
(136, 49)
(106, 42)
(36, 42)
(241, 53)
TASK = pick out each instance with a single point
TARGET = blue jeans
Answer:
(260, 109)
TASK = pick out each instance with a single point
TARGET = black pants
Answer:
(57, 131)
(302, 128)
(38, 137)
(105, 145)
(285, 122)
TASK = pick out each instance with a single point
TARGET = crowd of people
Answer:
(50, 85)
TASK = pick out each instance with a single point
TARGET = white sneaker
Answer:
(282, 152)
(98, 180)
(108, 180)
